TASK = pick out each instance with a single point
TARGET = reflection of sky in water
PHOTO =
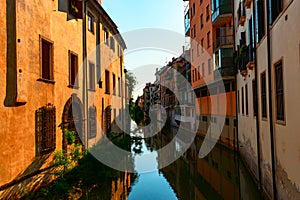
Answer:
(150, 183)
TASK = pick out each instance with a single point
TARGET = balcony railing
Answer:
(222, 11)
(223, 41)
(224, 71)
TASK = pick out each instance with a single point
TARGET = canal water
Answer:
(220, 175)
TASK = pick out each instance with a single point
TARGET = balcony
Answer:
(251, 57)
(241, 14)
(224, 38)
(221, 12)
(223, 72)
(187, 23)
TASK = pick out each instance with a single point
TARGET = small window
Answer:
(238, 102)
(227, 121)
(106, 37)
(201, 21)
(246, 98)
(202, 43)
(92, 122)
(114, 84)
(201, 2)
(90, 23)
(107, 82)
(195, 34)
(119, 86)
(45, 127)
(243, 101)
(91, 76)
(279, 92)
(263, 94)
(204, 118)
(198, 73)
(208, 39)
(47, 59)
(254, 89)
(209, 66)
(203, 70)
(207, 12)
(73, 69)
(112, 43)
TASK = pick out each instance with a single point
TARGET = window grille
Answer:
(46, 129)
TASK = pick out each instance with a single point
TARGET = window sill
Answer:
(73, 86)
(46, 81)
(92, 90)
(280, 122)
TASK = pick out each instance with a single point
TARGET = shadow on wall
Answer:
(32, 178)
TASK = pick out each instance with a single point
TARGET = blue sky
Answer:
(133, 15)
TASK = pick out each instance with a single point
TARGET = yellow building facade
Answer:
(44, 87)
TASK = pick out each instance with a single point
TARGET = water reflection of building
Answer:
(217, 176)
(120, 188)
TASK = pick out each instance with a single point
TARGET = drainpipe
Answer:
(84, 80)
(256, 99)
(271, 123)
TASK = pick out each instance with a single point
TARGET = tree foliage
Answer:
(132, 82)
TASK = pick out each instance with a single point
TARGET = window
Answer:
(202, 43)
(106, 37)
(194, 30)
(91, 76)
(119, 86)
(246, 98)
(204, 118)
(209, 66)
(203, 70)
(208, 39)
(112, 43)
(198, 51)
(198, 73)
(275, 10)
(92, 122)
(227, 121)
(201, 21)
(254, 89)
(90, 23)
(243, 101)
(238, 102)
(193, 9)
(107, 82)
(201, 2)
(193, 75)
(114, 84)
(47, 59)
(260, 20)
(45, 128)
(73, 69)
(279, 91)
(263, 94)
(207, 12)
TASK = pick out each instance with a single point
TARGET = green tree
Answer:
(132, 82)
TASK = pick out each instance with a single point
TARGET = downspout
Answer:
(271, 124)
(256, 100)
(84, 80)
